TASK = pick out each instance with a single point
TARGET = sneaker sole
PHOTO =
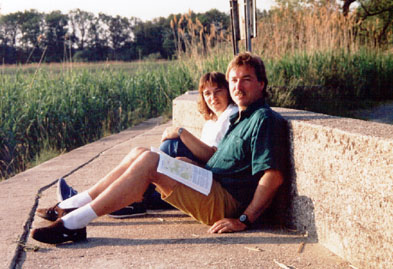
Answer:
(126, 216)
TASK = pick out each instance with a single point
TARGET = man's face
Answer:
(244, 86)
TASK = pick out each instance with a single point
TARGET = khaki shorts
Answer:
(205, 209)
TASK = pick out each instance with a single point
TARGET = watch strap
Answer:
(244, 219)
(179, 131)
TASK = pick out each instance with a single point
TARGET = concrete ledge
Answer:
(20, 194)
(148, 241)
(341, 180)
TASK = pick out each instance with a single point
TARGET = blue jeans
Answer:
(176, 148)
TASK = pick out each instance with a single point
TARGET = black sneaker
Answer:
(53, 213)
(64, 191)
(57, 233)
(133, 210)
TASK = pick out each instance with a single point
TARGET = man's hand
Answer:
(170, 133)
(227, 226)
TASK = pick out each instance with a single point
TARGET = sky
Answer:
(142, 9)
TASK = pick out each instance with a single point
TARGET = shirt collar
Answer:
(249, 110)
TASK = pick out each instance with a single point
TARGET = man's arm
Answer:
(264, 194)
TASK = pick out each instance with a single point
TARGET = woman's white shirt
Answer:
(214, 131)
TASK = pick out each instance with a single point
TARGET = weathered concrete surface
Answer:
(343, 186)
(185, 113)
(162, 239)
(20, 194)
(342, 181)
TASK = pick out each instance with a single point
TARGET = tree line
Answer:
(32, 36)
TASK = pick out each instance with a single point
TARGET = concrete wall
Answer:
(341, 181)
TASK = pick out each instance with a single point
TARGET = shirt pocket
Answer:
(234, 155)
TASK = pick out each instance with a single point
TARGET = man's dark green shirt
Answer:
(254, 143)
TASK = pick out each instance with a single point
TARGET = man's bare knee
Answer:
(149, 161)
(134, 154)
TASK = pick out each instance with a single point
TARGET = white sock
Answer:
(76, 201)
(79, 218)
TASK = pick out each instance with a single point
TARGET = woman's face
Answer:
(216, 98)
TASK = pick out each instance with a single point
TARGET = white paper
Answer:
(191, 175)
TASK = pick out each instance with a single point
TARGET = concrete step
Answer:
(161, 239)
(341, 180)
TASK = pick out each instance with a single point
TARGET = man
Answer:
(247, 170)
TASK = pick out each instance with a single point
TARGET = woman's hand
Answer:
(187, 160)
(170, 133)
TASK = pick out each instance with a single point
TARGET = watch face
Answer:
(242, 218)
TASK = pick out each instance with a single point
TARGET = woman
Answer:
(216, 106)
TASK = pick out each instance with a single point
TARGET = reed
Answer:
(314, 59)
(64, 110)
(314, 47)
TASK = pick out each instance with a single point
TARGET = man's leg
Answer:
(85, 197)
(132, 184)
(113, 175)
(128, 188)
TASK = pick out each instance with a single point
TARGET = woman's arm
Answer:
(200, 150)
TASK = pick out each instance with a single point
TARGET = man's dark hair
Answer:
(253, 61)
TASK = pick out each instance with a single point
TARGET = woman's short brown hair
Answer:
(211, 79)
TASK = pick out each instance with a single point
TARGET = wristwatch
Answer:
(244, 219)
(181, 129)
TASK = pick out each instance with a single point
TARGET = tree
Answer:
(368, 10)
(8, 32)
(383, 11)
(10, 27)
(55, 36)
(346, 5)
(31, 27)
(80, 22)
(154, 38)
(216, 17)
(119, 33)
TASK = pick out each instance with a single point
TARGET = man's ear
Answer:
(262, 85)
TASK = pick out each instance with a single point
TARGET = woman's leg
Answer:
(176, 148)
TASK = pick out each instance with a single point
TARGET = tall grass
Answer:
(316, 58)
(310, 29)
(68, 109)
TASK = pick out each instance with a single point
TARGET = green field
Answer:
(56, 108)
(60, 110)
(316, 58)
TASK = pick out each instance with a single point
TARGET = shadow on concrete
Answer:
(288, 208)
(305, 115)
(300, 211)
(141, 222)
(224, 240)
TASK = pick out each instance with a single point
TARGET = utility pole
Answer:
(243, 23)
